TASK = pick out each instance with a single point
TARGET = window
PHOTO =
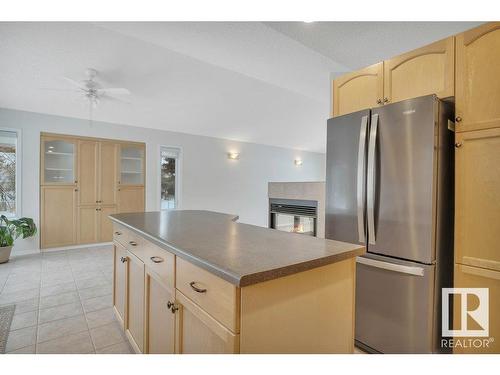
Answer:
(170, 178)
(9, 179)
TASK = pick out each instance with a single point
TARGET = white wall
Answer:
(209, 180)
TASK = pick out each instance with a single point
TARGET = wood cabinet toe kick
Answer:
(166, 304)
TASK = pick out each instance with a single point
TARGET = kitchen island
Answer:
(199, 282)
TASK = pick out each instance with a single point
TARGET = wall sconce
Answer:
(233, 155)
(298, 162)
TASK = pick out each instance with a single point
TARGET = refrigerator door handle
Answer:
(371, 182)
(409, 270)
(360, 190)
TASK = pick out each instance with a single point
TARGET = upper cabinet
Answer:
(478, 78)
(131, 164)
(424, 71)
(58, 160)
(358, 90)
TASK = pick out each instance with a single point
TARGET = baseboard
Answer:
(75, 247)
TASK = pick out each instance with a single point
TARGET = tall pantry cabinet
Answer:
(83, 181)
(477, 170)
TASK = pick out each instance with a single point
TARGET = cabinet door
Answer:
(160, 320)
(134, 326)
(131, 199)
(88, 224)
(198, 333)
(58, 161)
(58, 216)
(87, 172)
(119, 281)
(424, 71)
(358, 90)
(474, 277)
(477, 198)
(108, 177)
(478, 78)
(105, 224)
(132, 164)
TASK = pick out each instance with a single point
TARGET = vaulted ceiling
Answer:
(250, 81)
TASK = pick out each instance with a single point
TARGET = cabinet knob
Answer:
(458, 144)
(379, 101)
(133, 243)
(118, 233)
(458, 119)
(76, 189)
(156, 259)
(123, 259)
(192, 284)
(76, 181)
(386, 100)
(172, 307)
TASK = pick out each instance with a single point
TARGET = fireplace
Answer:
(294, 216)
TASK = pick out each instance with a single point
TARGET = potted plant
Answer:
(10, 230)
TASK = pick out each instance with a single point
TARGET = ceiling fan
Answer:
(92, 89)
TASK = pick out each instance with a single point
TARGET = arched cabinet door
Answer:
(358, 90)
(424, 71)
(478, 78)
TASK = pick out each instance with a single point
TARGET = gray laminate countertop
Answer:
(242, 254)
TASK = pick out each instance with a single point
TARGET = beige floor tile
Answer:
(97, 303)
(100, 317)
(62, 327)
(58, 299)
(90, 283)
(60, 312)
(21, 338)
(26, 350)
(25, 306)
(58, 289)
(23, 320)
(96, 291)
(77, 343)
(14, 297)
(107, 335)
(120, 348)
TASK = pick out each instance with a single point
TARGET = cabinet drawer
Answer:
(159, 261)
(216, 296)
(121, 235)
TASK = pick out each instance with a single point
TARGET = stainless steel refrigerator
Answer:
(389, 185)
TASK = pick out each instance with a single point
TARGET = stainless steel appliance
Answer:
(293, 215)
(389, 185)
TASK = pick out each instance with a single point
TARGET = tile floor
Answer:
(63, 302)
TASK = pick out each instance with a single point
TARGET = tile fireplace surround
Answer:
(314, 191)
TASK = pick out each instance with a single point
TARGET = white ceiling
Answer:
(257, 82)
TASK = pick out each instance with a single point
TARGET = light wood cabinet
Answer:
(475, 277)
(131, 199)
(358, 90)
(478, 78)
(58, 216)
(160, 320)
(198, 333)
(424, 71)
(89, 167)
(134, 318)
(88, 152)
(477, 198)
(88, 224)
(119, 282)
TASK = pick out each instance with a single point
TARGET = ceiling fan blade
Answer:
(58, 89)
(114, 98)
(80, 85)
(114, 91)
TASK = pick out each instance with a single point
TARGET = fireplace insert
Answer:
(293, 215)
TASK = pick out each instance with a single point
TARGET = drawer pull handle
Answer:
(156, 259)
(118, 233)
(133, 243)
(196, 289)
(123, 260)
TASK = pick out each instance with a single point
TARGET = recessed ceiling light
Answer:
(233, 155)
(298, 162)
(308, 21)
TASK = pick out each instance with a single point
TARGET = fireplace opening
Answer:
(293, 215)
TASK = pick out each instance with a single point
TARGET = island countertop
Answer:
(242, 254)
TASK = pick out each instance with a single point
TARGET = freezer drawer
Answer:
(394, 305)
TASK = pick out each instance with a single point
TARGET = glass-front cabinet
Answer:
(131, 165)
(58, 159)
